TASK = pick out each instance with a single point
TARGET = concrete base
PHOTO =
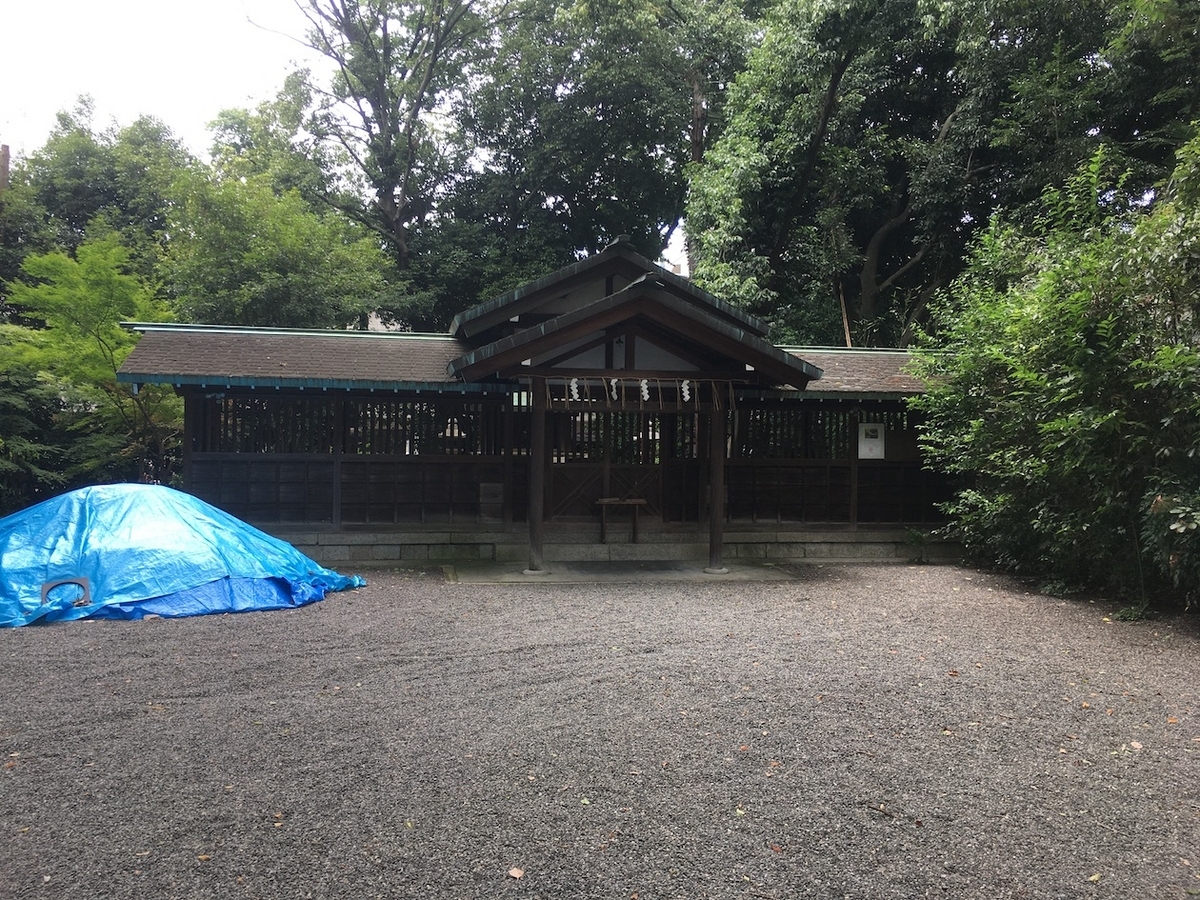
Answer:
(611, 573)
(574, 542)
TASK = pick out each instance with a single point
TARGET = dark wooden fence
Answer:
(367, 461)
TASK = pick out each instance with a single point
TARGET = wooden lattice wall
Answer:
(368, 460)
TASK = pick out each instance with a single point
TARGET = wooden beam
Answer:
(537, 477)
(508, 462)
(339, 442)
(716, 503)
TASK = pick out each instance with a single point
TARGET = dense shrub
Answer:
(1064, 388)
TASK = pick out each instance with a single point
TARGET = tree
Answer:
(82, 299)
(497, 139)
(815, 195)
(1063, 386)
(869, 142)
(398, 63)
(579, 129)
(243, 255)
(31, 454)
(271, 140)
(123, 176)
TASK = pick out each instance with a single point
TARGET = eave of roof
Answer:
(292, 359)
(279, 358)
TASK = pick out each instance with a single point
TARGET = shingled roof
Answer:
(288, 358)
(225, 356)
(859, 373)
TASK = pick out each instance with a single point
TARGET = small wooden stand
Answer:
(604, 503)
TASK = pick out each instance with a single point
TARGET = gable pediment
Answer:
(582, 284)
(647, 328)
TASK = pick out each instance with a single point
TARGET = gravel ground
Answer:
(859, 732)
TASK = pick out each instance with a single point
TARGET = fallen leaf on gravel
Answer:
(204, 857)
(514, 872)
(1136, 745)
(1171, 720)
(584, 801)
(1095, 877)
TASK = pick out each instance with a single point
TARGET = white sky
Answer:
(182, 61)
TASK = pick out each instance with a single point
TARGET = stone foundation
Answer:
(578, 543)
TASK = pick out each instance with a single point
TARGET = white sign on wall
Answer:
(870, 440)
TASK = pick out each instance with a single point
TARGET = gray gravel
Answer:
(859, 732)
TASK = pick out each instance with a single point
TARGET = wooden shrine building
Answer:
(611, 390)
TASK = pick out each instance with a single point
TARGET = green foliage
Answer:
(1064, 385)
(122, 177)
(869, 142)
(106, 430)
(31, 463)
(243, 255)
(270, 142)
(824, 187)
(397, 64)
(1171, 537)
(580, 125)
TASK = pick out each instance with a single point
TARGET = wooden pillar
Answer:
(853, 418)
(339, 444)
(537, 476)
(716, 484)
(193, 410)
(606, 472)
(508, 461)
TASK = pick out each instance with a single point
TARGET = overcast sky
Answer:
(182, 61)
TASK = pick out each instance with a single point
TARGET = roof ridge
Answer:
(186, 327)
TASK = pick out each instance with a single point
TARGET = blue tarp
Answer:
(132, 550)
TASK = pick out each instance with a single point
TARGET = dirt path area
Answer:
(857, 732)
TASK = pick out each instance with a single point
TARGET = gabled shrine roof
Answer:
(733, 353)
(614, 314)
(226, 356)
(614, 268)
